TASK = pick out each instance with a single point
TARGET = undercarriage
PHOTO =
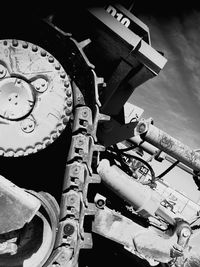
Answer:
(77, 181)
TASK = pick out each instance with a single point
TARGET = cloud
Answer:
(173, 97)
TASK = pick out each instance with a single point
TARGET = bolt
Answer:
(25, 45)
(34, 48)
(3, 71)
(14, 42)
(186, 232)
(73, 210)
(76, 170)
(43, 53)
(66, 84)
(100, 203)
(71, 199)
(62, 75)
(65, 120)
(85, 113)
(69, 93)
(85, 123)
(68, 111)
(69, 102)
(81, 152)
(78, 98)
(51, 59)
(57, 67)
(28, 125)
(141, 127)
(80, 142)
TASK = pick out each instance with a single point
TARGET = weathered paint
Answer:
(173, 147)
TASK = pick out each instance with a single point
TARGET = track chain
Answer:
(74, 206)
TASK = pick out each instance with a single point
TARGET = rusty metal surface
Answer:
(172, 147)
(35, 98)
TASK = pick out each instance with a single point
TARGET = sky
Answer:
(172, 98)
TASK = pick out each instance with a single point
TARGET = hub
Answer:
(16, 98)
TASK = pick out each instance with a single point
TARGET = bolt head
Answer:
(85, 113)
(51, 59)
(100, 203)
(71, 199)
(80, 142)
(186, 232)
(69, 102)
(141, 127)
(76, 170)
(34, 48)
(68, 229)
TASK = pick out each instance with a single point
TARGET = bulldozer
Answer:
(77, 176)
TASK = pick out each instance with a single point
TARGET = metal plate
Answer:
(35, 98)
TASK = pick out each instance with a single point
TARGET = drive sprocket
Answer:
(36, 98)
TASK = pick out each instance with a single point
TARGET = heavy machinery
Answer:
(74, 165)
